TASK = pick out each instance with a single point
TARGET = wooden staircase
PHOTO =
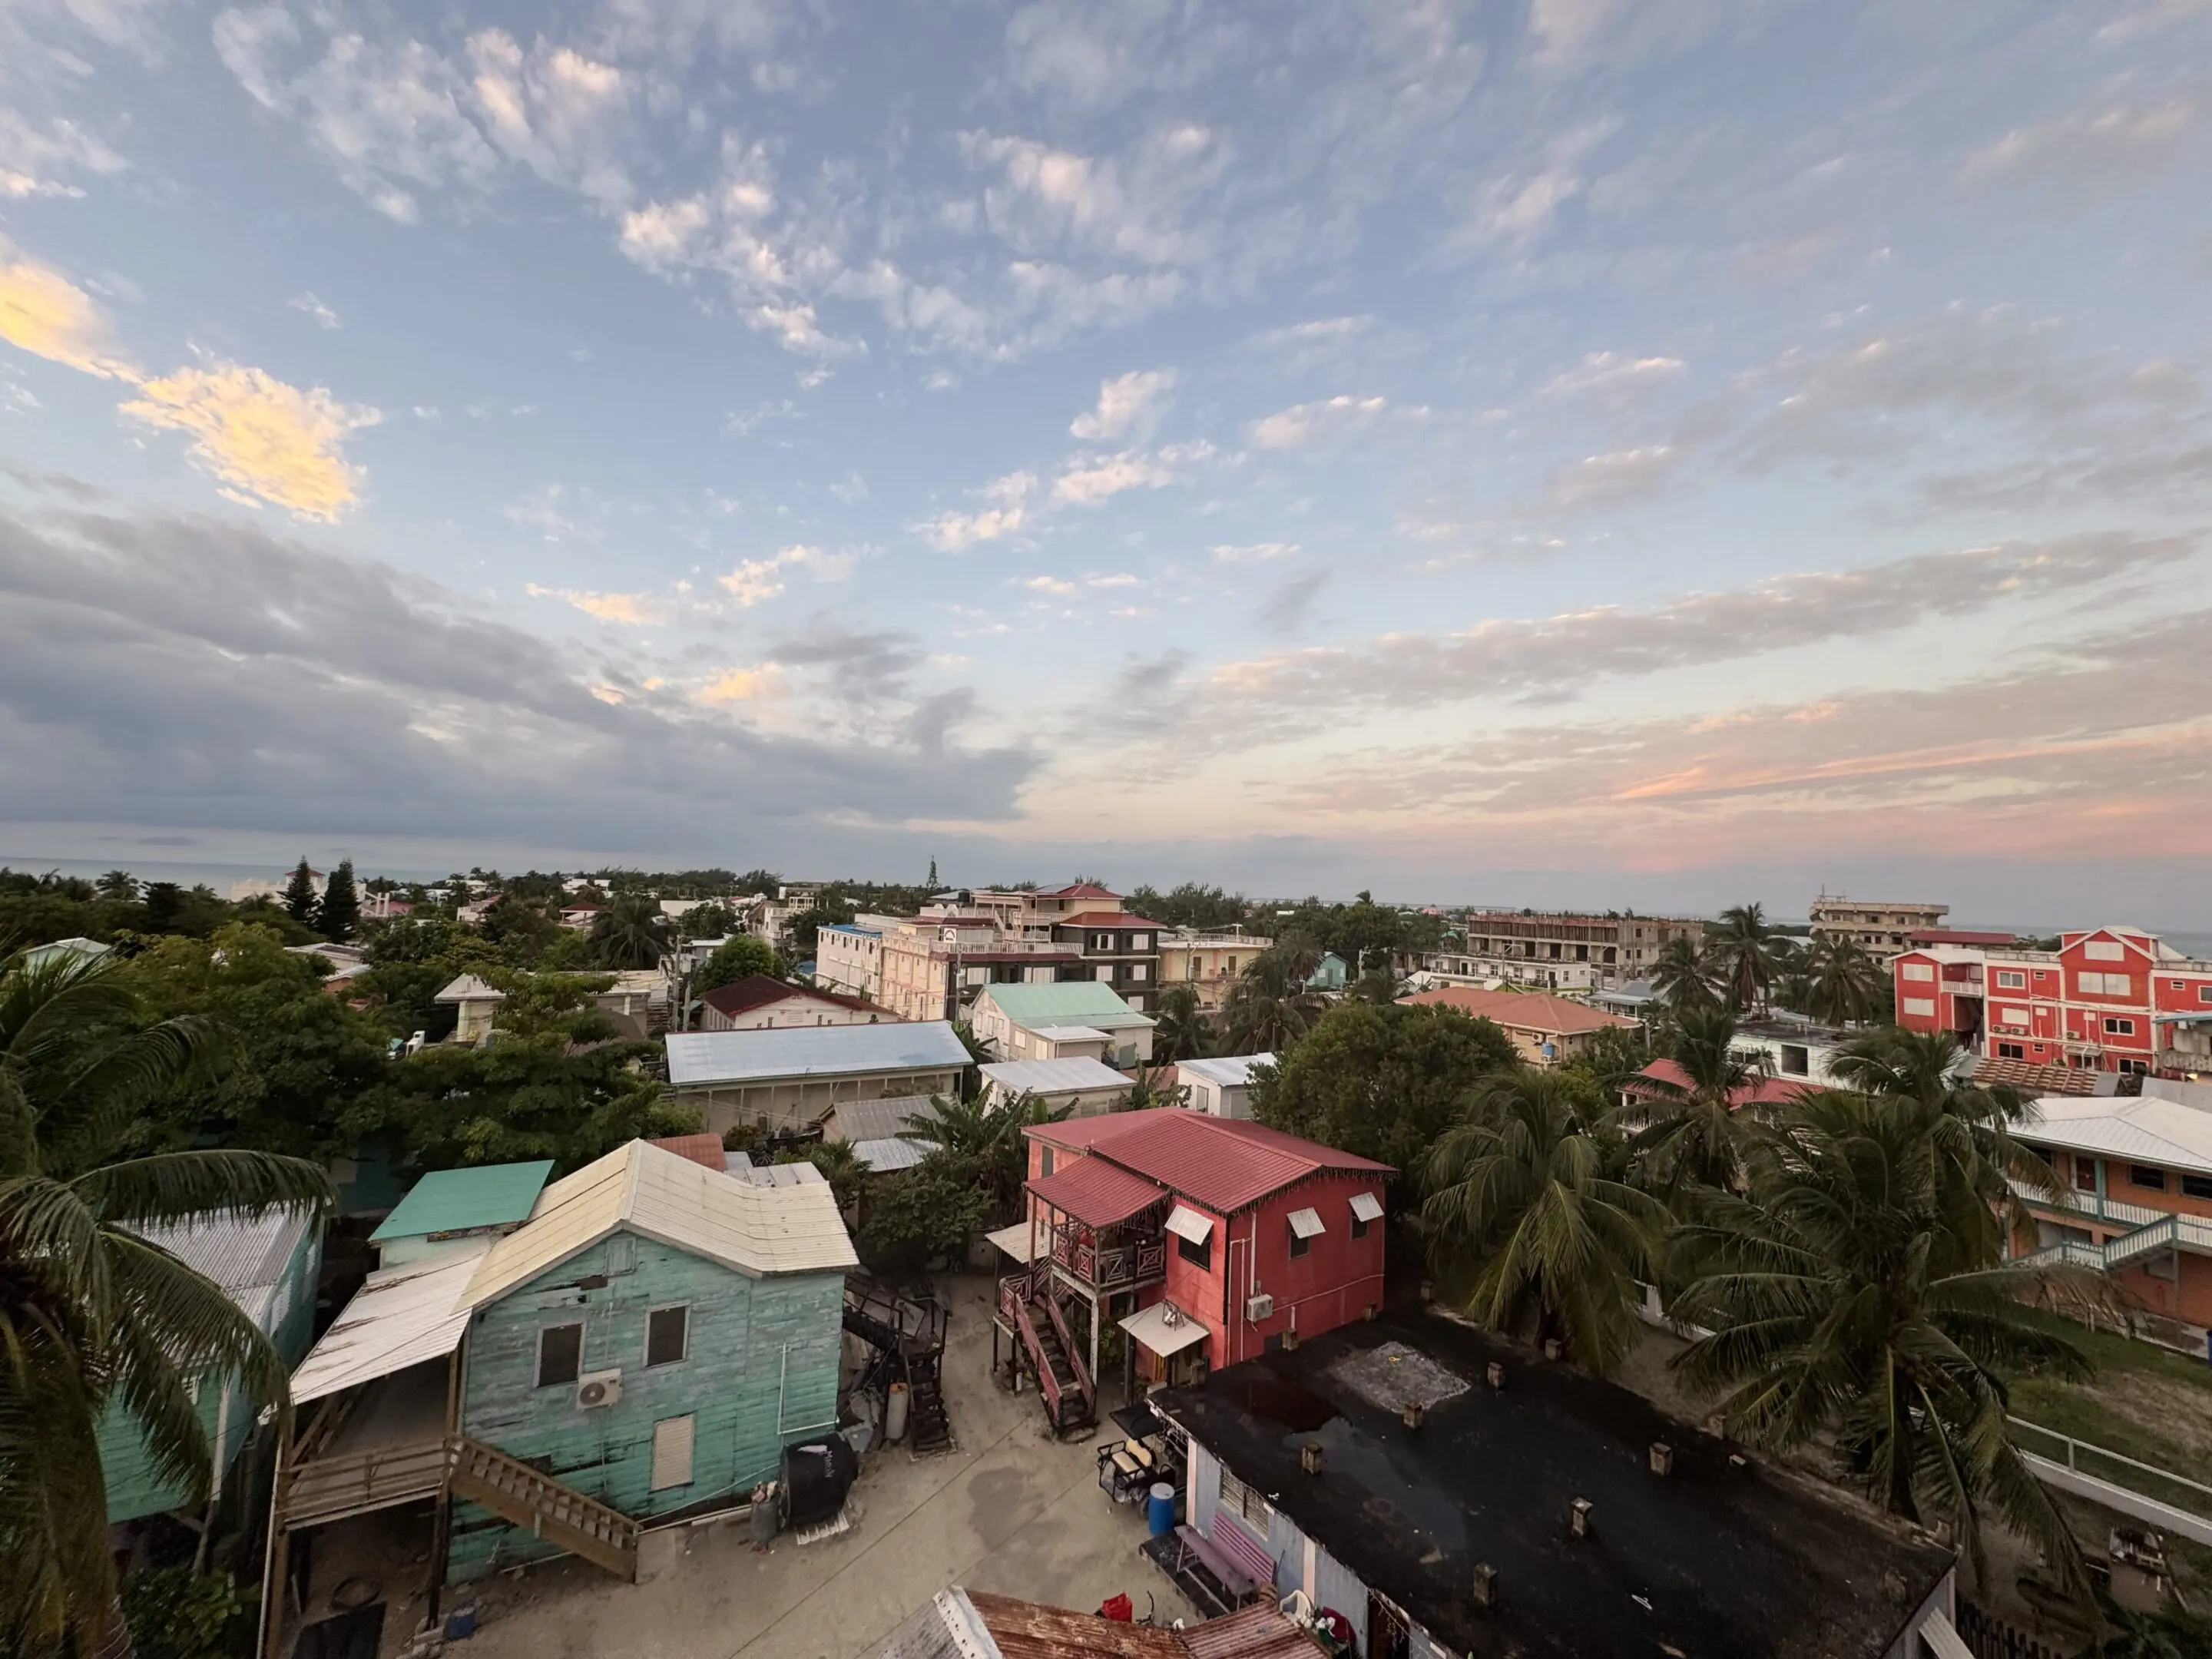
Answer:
(1071, 1398)
(524, 1497)
(319, 1490)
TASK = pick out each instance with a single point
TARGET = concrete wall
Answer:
(802, 1102)
(761, 1373)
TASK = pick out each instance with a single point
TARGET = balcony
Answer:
(1115, 1259)
(2090, 1206)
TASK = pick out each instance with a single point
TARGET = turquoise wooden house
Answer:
(647, 1341)
(269, 1267)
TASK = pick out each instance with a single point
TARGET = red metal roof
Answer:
(1097, 1192)
(1228, 1164)
(1958, 935)
(1081, 889)
(2033, 1080)
(755, 991)
(1669, 1075)
(700, 1149)
(1520, 1011)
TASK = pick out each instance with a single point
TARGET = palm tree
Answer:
(1179, 1032)
(631, 933)
(1270, 1006)
(1533, 1185)
(1841, 983)
(1689, 1137)
(1147, 1091)
(1988, 1173)
(1680, 974)
(117, 885)
(984, 1137)
(1843, 1307)
(1743, 954)
(91, 1314)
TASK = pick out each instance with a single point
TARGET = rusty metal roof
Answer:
(1227, 1164)
(1097, 1192)
(1029, 1630)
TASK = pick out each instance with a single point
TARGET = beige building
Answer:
(1558, 951)
(1881, 927)
(1548, 1030)
(1208, 963)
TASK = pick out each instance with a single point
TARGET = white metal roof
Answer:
(890, 1154)
(801, 1051)
(1187, 1222)
(2146, 1130)
(245, 1258)
(1016, 1241)
(1070, 1034)
(468, 988)
(1152, 1327)
(401, 1317)
(1230, 1072)
(1054, 1077)
(646, 1189)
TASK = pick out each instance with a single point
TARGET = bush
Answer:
(176, 1613)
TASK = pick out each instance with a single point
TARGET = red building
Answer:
(1204, 1240)
(2108, 999)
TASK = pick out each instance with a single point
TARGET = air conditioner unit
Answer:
(1259, 1307)
(598, 1388)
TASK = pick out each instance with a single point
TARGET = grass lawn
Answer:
(2146, 1402)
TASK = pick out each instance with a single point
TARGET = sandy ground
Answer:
(1009, 1510)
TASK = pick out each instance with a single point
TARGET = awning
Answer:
(1306, 1223)
(1187, 1222)
(1152, 1329)
(1139, 1422)
(1365, 1207)
(401, 1317)
(1941, 1638)
(1015, 1241)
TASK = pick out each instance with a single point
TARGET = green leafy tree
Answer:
(1614, 1054)
(1846, 1309)
(711, 921)
(1530, 1191)
(91, 1314)
(923, 1215)
(1842, 984)
(1146, 1091)
(1682, 975)
(338, 918)
(1190, 905)
(739, 959)
(631, 933)
(1180, 1030)
(1383, 1082)
(984, 1138)
(301, 902)
(117, 886)
(523, 929)
(1269, 1006)
(1689, 1137)
(177, 1613)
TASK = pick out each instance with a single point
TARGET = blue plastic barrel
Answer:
(1160, 1512)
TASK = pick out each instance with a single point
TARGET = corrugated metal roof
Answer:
(890, 1154)
(1029, 1630)
(401, 1317)
(1259, 1631)
(454, 1201)
(2145, 1131)
(757, 1229)
(468, 987)
(1097, 1192)
(238, 1253)
(706, 1150)
(1520, 1011)
(1152, 1327)
(878, 1120)
(1230, 1072)
(1225, 1164)
(1017, 1241)
(797, 1051)
(1076, 1002)
(1054, 1077)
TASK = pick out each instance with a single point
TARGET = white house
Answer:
(1086, 1087)
(1222, 1087)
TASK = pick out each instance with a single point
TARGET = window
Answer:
(1918, 971)
(2105, 950)
(560, 1354)
(1044, 1162)
(1796, 1060)
(1924, 1006)
(2085, 1175)
(668, 1335)
(1101, 941)
(2012, 1051)
(1104, 971)
(2205, 993)
(1241, 1501)
(1199, 1254)
(1300, 1244)
(2148, 1176)
(2197, 1186)
(2119, 1027)
(671, 1451)
(2104, 985)
(2011, 979)
(1360, 1223)
(1139, 969)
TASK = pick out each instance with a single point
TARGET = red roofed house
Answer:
(1665, 1079)
(758, 1003)
(1204, 1240)
(1545, 1029)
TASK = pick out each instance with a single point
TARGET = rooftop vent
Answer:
(1662, 1458)
(1552, 1349)
(1486, 1584)
(1309, 1457)
(1494, 1373)
(1579, 1517)
(1414, 1414)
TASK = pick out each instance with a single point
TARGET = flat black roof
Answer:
(1711, 1561)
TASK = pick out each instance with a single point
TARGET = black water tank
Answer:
(817, 1475)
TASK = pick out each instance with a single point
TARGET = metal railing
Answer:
(2087, 1458)
(2095, 1206)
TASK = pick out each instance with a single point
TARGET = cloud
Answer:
(630, 610)
(197, 673)
(2089, 153)
(1051, 585)
(1088, 482)
(1284, 612)
(1607, 370)
(1599, 483)
(260, 436)
(1543, 658)
(952, 533)
(40, 160)
(754, 581)
(1304, 424)
(738, 685)
(43, 312)
(1128, 402)
(308, 306)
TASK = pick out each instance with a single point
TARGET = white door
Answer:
(672, 1452)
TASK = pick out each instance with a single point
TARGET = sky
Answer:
(1549, 451)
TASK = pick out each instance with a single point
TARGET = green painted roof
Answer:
(1073, 1002)
(453, 1200)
